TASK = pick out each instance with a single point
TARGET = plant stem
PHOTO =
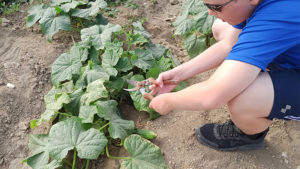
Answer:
(74, 159)
(87, 164)
(104, 126)
(113, 157)
(68, 163)
(65, 114)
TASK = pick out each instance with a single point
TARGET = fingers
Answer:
(160, 80)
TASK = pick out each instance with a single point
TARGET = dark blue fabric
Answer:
(286, 85)
(270, 35)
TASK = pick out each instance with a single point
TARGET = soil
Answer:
(25, 61)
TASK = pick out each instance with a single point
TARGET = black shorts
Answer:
(286, 83)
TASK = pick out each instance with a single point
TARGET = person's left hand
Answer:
(161, 104)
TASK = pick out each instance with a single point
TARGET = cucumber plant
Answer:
(194, 25)
(87, 91)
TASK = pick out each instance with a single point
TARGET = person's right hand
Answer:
(164, 88)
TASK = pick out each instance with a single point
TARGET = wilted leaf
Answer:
(94, 91)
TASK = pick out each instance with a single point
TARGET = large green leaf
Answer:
(139, 102)
(143, 154)
(153, 72)
(70, 134)
(143, 60)
(117, 47)
(82, 13)
(79, 52)
(99, 34)
(96, 6)
(192, 7)
(111, 71)
(118, 127)
(139, 29)
(40, 158)
(35, 13)
(183, 25)
(110, 58)
(194, 45)
(96, 73)
(157, 50)
(51, 24)
(138, 39)
(204, 22)
(124, 64)
(106, 109)
(37, 143)
(65, 67)
(71, 5)
(93, 10)
(164, 64)
(95, 91)
(117, 83)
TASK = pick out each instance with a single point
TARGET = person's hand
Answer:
(161, 87)
(161, 104)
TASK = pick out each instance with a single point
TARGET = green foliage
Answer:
(129, 3)
(88, 84)
(58, 15)
(89, 143)
(9, 6)
(194, 25)
(143, 154)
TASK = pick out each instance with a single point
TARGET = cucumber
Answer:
(147, 134)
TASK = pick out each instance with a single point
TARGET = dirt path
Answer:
(25, 61)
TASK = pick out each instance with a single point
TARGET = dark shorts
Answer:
(286, 84)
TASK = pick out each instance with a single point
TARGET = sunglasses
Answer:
(217, 7)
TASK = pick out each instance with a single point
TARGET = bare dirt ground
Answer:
(25, 61)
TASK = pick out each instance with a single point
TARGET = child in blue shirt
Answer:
(258, 75)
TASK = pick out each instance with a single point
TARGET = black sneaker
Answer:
(227, 137)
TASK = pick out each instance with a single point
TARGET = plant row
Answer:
(194, 25)
(88, 82)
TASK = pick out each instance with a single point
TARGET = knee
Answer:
(218, 29)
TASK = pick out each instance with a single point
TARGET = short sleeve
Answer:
(263, 39)
(240, 26)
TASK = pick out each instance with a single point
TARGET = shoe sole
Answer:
(208, 143)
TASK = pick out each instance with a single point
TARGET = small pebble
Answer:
(11, 86)
(284, 154)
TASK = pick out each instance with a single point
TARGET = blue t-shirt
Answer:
(270, 35)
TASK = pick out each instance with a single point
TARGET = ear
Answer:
(254, 2)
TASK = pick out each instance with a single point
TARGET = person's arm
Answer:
(230, 79)
(210, 58)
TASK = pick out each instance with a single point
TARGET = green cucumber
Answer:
(147, 134)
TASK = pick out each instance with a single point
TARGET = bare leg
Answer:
(250, 109)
